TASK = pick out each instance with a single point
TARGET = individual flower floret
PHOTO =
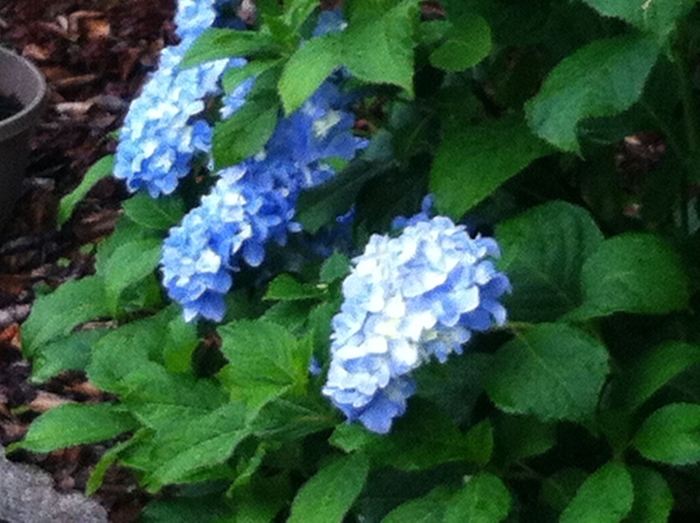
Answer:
(408, 298)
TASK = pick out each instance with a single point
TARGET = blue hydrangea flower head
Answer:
(320, 129)
(164, 130)
(408, 299)
(251, 204)
(193, 17)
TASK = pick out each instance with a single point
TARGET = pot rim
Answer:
(31, 111)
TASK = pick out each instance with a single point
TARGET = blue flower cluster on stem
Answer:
(255, 202)
(164, 130)
(408, 299)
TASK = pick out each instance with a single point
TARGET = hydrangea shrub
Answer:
(399, 260)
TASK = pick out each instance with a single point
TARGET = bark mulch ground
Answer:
(95, 55)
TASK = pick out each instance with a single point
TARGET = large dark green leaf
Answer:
(379, 49)
(265, 360)
(658, 18)
(601, 79)
(653, 499)
(484, 498)
(217, 43)
(308, 67)
(246, 132)
(56, 314)
(154, 213)
(329, 494)
(474, 161)
(543, 252)
(641, 380)
(670, 435)
(468, 41)
(77, 424)
(553, 371)
(605, 497)
(633, 272)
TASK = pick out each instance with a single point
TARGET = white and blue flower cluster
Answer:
(255, 202)
(162, 133)
(408, 298)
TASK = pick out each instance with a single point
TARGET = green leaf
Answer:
(296, 12)
(479, 443)
(101, 169)
(265, 360)
(246, 132)
(202, 509)
(322, 205)
(653, 16)
(286, 288)
(192, 443)
(329, 494)
(126, 231)
(543, 253)
(180, 345)
(456, 388)
(154, 213)
(225, 43)
(423, 439)
(431, 508)
(645, 377)
(291, 315)
(56, 314)
(108, 458)
(553, 371)
(473, 161)
(235, 76)
(292, 419)
(209, 443)
(560, 488)
(601, 79)
(69, 353)
(653, 499)
(670, 435)
(308, 67)
(484, 499)
(129, 361)
(632, 272)
(336, 267)
(468, 43)
(379, 48)
(129, 264)
(77, 424)
(522, 437)
(605, 497)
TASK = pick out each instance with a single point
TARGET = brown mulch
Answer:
(95, 55)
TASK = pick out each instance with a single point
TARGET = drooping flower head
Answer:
(408, 299)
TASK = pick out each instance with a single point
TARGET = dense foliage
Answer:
(399, 261)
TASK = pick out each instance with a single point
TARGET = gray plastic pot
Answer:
(20, 78)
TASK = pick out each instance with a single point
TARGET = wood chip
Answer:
(46, 401)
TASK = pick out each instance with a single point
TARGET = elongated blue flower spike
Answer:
(408, 299)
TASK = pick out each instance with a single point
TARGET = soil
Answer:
(9, 106)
